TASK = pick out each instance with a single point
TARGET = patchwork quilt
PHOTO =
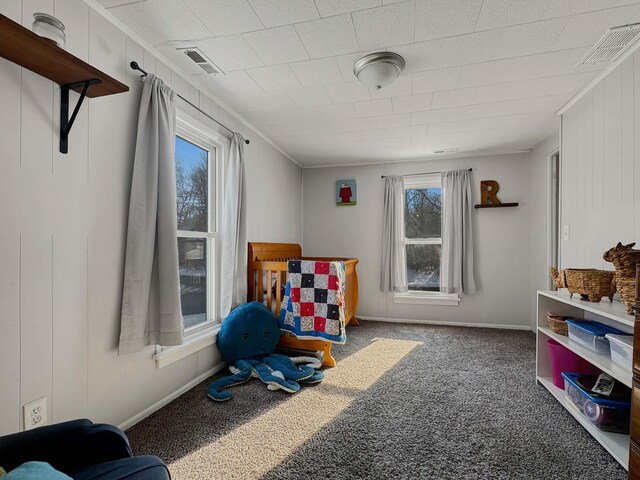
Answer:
(313, 303)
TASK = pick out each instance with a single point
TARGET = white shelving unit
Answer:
(610, 313)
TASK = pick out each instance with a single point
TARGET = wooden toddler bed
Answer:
(267, 272)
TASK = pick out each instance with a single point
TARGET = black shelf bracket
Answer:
(65, 122)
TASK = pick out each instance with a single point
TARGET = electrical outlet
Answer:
(35, 413)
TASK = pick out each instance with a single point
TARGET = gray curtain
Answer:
(233, 284)
(393, 271)
(456, 260)
(151, 311)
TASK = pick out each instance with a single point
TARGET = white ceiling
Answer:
(484, 76)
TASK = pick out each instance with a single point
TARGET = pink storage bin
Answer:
(564, 360)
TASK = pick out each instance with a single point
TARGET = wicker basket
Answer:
(625, 259)
(558, 324)
(590, 283)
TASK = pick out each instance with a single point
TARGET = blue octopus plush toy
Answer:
(247, 341)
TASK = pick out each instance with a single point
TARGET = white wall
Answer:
(502, 238)
(539, 217)
(62, 229)
(600, 168)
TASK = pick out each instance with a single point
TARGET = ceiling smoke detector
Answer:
(615, 41)
(200, 59)
(379, 69)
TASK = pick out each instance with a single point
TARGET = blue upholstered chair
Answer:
(82, 450)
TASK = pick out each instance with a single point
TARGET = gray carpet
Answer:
(405, 402)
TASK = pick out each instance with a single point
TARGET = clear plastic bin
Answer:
(592, 335)
(621, 349)
(606, 414)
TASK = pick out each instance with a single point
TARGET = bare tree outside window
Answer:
(423, 235)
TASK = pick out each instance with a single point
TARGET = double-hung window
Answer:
(198, 155)
(423, 241)
(423, 232)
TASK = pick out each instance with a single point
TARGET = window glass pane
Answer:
(422, 212)
(423, 267)
(192, 186)
(192, 253)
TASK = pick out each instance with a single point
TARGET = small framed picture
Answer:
(346, 193)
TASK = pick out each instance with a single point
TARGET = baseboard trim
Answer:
(172, 396)
(447, 324)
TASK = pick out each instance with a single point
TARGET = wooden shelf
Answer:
(617, 444)
(610, 313)
(27, 49)
(615, 310)
(603, 362)
(499, 205)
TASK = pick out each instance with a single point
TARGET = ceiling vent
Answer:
(615, 41)
(446, 150)
(200, 59)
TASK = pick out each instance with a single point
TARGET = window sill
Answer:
(427, 298)
(192, 344)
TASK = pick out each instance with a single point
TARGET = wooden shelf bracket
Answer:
(66, 122)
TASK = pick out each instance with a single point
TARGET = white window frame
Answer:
(416, 296)
(204, 334)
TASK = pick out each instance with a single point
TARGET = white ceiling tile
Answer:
(502, 13)
(329, 8)
(453, 98)
(586, 29)
(117, 3)
(274, 13)
(401, 120)
(230, 53)
(559, 8)
(274, 77)
(225, 17)
(235, 83)
(309, 96)
(412, 103)
(348, 92)
(522, 68)
(389, 2)
(420, 56)
(257, 102)
(373, 108)
(445, 18)
(402, 86)
(277, 45)
(434, 80)
(471, 48)
(328, 36)
(529, 38)
(386, 26)
(162, 21)
(323, 71)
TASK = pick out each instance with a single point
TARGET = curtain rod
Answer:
(423, 173)
(135, 66)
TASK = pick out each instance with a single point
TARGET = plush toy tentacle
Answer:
(287, 367)
(214, 392)
(268, 376)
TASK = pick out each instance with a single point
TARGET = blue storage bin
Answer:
(606, 414)
(592, 335)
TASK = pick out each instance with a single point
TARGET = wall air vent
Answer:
(200, 59)
(615, 41)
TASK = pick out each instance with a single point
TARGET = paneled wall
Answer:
(63, 227)
(501, 238)
(600, 168)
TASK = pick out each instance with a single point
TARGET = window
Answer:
(423, 232)
(197, 172)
